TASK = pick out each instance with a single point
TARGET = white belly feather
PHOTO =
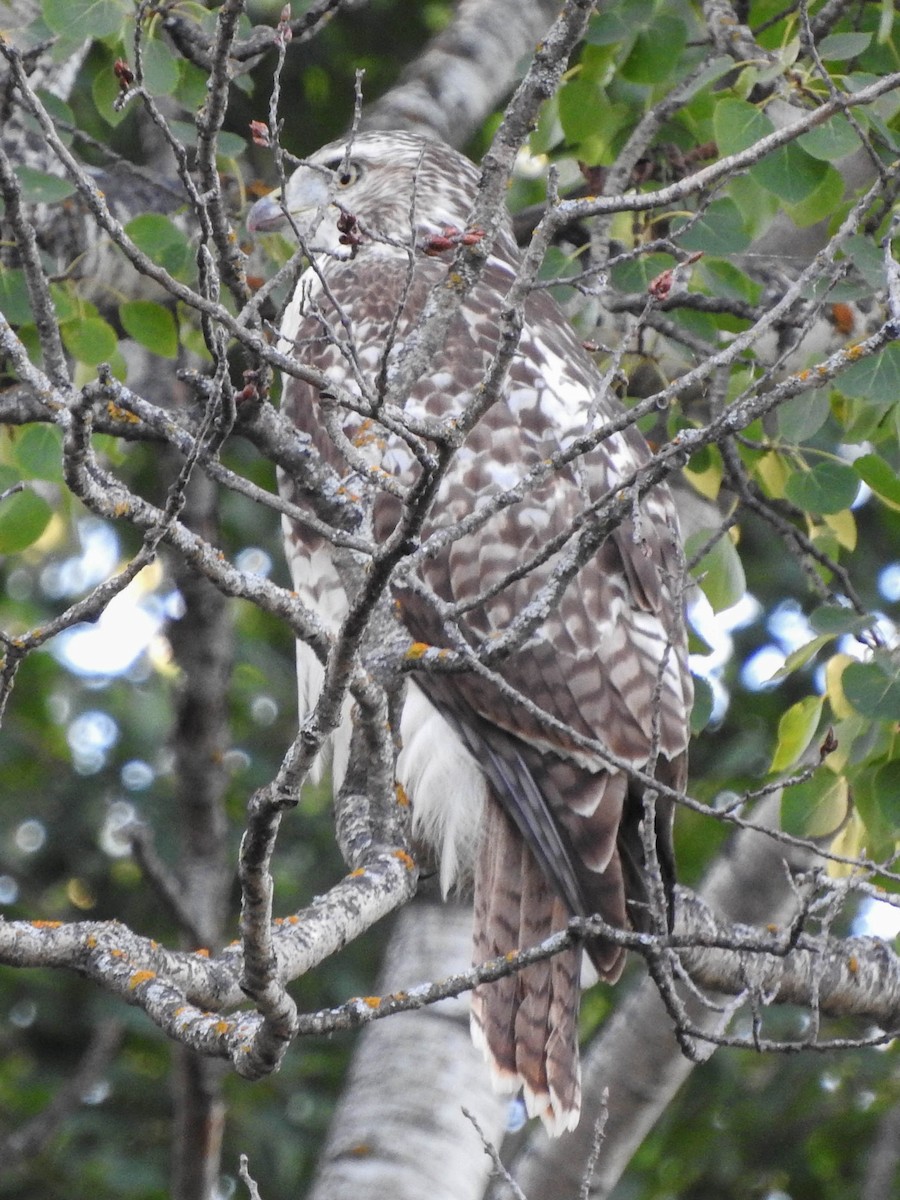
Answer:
(446, 787)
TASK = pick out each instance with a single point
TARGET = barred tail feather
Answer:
(526, 1023)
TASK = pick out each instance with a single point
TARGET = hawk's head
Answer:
(372, 191)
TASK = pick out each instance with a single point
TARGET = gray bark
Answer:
(466, 71)
(399, 1129)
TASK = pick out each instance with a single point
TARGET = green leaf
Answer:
(834, 619)
(816, 807)
(38, 452)
(581, 108)
(230, 145)
(718, 230)
(873, 688)
(38, 187)
(758, 207)
(702, 325)
(703, 704)
(656, 52)
(702, 461)
(87, 18)
(886, 794)
(887, 106)
(866, 422)
(737, 125)
(698, 644)
(886, 22)
(720, 572)
(151, 325)
(821, 202)
(636, 275)
(161, 74)
(191, 90)
(14, 302)
(868, 258)
(91, 340)
(877, 808)
(60, 113)
(714, 70)
(162, 242)
(723, 278)
(835, 139)
(23, 518)
(796, 730)
(875, 379)
(879, 475)
(67, 303)
(790, 173)
(803, 416)
(800, 657)
(838, 47)
(618, 22)
(829, 487)
(104, 92)
(28, 336)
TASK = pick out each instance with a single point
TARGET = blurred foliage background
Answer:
(85, 745)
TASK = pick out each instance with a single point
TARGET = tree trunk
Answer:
(399, 1130)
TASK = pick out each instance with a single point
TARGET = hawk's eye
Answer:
(346, 175)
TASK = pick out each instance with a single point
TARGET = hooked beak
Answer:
(266, 215)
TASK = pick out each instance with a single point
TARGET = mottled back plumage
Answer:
(506, 769)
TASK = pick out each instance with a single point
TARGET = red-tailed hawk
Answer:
(506, 769)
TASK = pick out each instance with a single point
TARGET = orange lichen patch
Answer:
(855, 352)
(360, 1150)
(293, 919)
(356, 874)
(771, 928)
(368, 434)
(203, 952)
(417, 650)
(372, 1001)
(803, 376)
(140, 977)
(46, 924)
(182, 1008)
(222, 1027)
(842, 316)
(510, 955)
(408, 862)
(400, 792)
(117, 953)
(115, 413)
(853, 964)
(90, 941)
